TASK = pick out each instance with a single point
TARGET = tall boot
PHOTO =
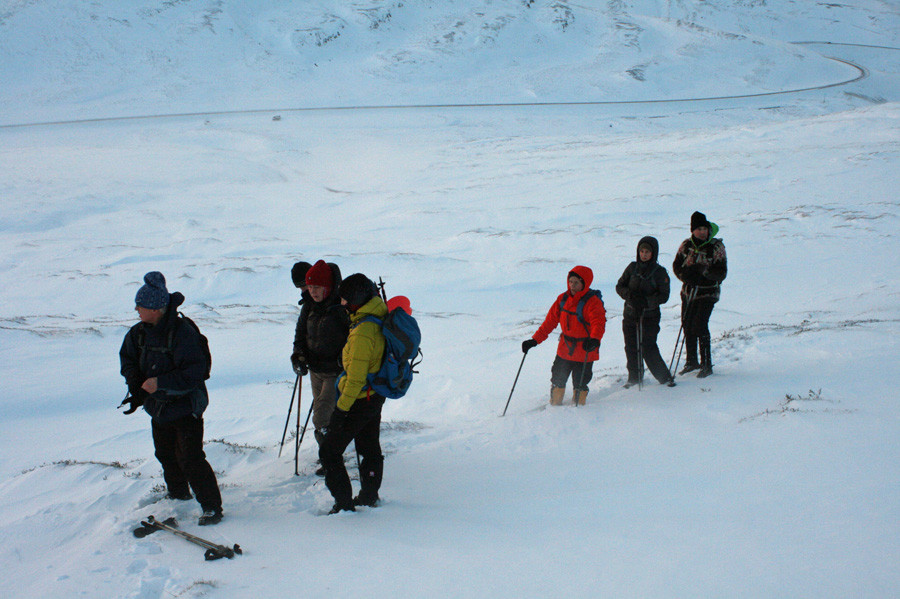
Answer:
(370, 475)
(556, 395)
(320, 436)
(705, 358)
(580, 396)
(690, 361)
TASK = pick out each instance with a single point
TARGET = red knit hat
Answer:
(319, 274)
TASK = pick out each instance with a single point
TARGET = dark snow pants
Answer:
(695, 318)
(179, 448)
(362, 425)
(562, 369)
(648, 348)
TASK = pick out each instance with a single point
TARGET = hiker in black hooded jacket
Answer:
(165, 368)
(644, 286)
(701, 264)
(319, 338)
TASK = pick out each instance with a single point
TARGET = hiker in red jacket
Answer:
(582, 318)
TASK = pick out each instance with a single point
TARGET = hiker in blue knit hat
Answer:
(153, 295)
(165, 361)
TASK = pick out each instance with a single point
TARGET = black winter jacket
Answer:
(644, 285)
(180, 372)
(701, 265)
(322, 330)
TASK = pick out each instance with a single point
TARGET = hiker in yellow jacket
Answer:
(357, 416)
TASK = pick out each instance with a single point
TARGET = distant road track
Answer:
(862, 73)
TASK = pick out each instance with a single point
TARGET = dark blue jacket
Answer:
(180, 369)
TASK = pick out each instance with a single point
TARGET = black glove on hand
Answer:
(134, 399)
(299, 364)
(590, 344)
(693, 276)
(338, 419)
(528, 344)
(637, 301)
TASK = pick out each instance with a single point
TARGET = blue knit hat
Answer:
(153, 295)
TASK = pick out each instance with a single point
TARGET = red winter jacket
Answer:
(573, 332)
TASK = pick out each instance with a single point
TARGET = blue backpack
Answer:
(579, 309)
(401, 348)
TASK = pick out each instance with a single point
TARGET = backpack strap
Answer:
(380, 323)
(579, 309)
(579, 314)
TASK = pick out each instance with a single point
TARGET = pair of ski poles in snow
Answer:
(298, 436)
(673, 364)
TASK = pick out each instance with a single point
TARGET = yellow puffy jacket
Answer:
(362, 353)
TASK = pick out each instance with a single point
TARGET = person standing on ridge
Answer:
(644, 286)
(319, 338)
(580, 313)
(357, 414)
(700, 264)
(165, 367)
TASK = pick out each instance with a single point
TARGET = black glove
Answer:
(338, 419)
(693, 276)
(299, 364)
(134, 399)
(590, 344)
(637, 301)
(528, 344)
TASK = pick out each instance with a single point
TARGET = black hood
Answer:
(654, 245)
(175, 301)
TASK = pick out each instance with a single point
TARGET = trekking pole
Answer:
(640, 351)
(583, 370)
(381, 288)
(213, 551)
(297, 433)
(303, 432)
(684, 316)
(678, 340)
(290, 409)
(514, 385)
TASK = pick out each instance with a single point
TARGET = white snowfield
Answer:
(470, 153)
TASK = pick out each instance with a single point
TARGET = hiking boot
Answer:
(364, 500)
(689, 367)
(321, 471)
(210, 517)
(631, 383)
(669, 383)
(179, 496)
(705, 358)
(580, 397)
(336, 508)
(556, 395)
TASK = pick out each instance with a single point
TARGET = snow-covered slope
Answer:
(66, 59)
(775, 477)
